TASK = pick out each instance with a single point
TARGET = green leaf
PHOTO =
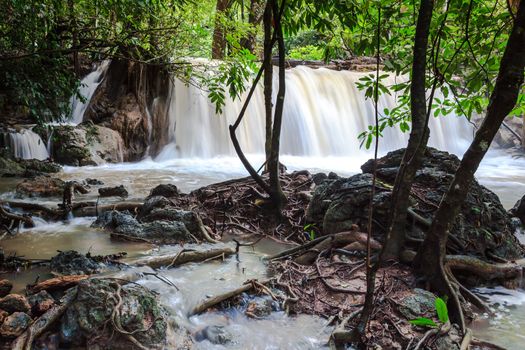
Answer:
(442, 310)
(423, 322)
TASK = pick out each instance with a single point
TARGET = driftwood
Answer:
(94, 209)
(342, 239)
(485, 270)
(183, 257)
(15, 217)
(61, 282)
(25, 340)
(205, 305)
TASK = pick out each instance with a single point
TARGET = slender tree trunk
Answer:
(219, 43)
(74, 33)
(419, 134)
(278, 197)
(429, 260)
(268, 78)
(254, 19)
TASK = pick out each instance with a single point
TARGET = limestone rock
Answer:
(41, 302)
(14, 302)
(5, 287)
(41, 186)
(15, 324)
(519, 210)
(88, 320)
(164, 190)
(73, 263)
(117, 191)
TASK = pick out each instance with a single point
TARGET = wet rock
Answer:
(482, 227)
(259, 307)
(9, 167)
(5, 287)
(152, 203)
(519, 210)
(41, 302)
(14, 302)
(3, 315)
(73, 263)
(86, 144)
(165, 190)
(450, 341)
(419, 304)
(90, 320)
(37, 166)
(15, 324)
(40, 186)
(93, 182)
(214, 334)
(319, 178)
(117, 191)
(114, 219)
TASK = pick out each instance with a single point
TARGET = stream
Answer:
(195, 282)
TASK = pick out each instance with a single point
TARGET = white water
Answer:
(324, 113)
(88, 85)
(25, 144)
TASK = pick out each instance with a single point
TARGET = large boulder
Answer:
(72, 262)
(105, 312)
(483, 227)
(40, 186)
(86, 144)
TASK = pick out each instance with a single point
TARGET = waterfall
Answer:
(324, 113)
(88, 85)
(24, 144)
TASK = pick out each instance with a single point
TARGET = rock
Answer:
(483, 226)
(152, 203)
(319, 178)
(10, 167)
(86, 144)
(5, 287)
(165, 190)
(519, 210)
(260, 307)
(419, 304)
(93, 182)
(117, 191)
(73, 263)
(88, 319)
(41, 302)
(41, 186)
(39, 167)
(214, 334)
(49, 341)
(3, 315)
(14, 302)
(15, 324)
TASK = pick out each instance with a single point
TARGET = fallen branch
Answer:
(25, 340)
(182, 257)
(485, 270)
(20, 218)
(93, 210)
(61, 282)
(225, 296)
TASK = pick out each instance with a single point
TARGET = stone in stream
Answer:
(104, 311)
(73, 263)
(15, 324)
(162, 225)
(41, 302)
(483, 227)
(519, 210)
(14, 302)
(5, 287)
(117, 191)
(214, 334)
(165, 190)
(40, 186)
(93, 182)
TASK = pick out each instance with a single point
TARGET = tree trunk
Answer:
(74, 33)
(277, 195)
(254, 19)
(268, 78)
(218, 45)
(417, 142)
(429, 260)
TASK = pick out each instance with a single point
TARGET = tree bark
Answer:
(419, 134)
(277, 195)
(430, 258)
(254, 19)
(218, 45)
(268, 78)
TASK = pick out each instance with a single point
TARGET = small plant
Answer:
(309, 231)
(442, 314)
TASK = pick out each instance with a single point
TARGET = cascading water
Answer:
(324, 113)
(24, 144)
(88, 85)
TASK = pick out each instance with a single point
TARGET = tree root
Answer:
(25, 340)
(26, 219)
(61, 282)
(94, 210)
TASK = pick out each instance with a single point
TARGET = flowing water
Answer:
(324, 113)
